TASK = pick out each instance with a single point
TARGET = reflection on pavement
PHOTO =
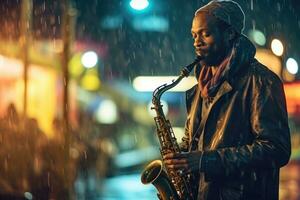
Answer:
(127, 187)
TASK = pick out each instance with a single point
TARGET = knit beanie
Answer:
(226, 10)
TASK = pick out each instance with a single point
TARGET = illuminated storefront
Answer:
(44, 91)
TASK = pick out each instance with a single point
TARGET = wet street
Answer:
(129, 187)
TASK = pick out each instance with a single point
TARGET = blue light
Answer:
(139, 4)
(112, 22)
(151, 23)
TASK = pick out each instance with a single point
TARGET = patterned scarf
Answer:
(209, 82)
(207, 87)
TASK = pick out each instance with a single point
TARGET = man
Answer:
(237, 135)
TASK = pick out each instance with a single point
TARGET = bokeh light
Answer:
(258, 37)
(89, 59)
(107, 112)
(75, 65)
(292, 66)
(139, 4)
(90, 81)
(277, 47)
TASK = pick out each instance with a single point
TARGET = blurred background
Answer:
(76, 82)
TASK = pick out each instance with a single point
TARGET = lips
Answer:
(200, 52)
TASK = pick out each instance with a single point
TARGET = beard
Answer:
(213, 56)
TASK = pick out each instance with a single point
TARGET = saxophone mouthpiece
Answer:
(187, 69)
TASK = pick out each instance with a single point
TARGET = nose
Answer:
(198, 41)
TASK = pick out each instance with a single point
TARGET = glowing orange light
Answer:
(292, 93)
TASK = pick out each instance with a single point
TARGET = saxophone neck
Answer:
(184, 73)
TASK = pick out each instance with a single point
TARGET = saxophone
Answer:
(171, 184)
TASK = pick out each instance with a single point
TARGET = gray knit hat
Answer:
(227, 11)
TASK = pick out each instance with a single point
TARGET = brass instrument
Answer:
(171, 184)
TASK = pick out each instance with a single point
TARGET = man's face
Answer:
(209, 42)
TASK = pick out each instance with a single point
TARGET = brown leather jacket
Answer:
(245, 136)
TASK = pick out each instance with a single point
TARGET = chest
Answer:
(223, 120)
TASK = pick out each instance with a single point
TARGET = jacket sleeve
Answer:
(271, 147)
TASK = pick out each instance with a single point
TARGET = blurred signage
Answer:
(292, 92)
(151, 23)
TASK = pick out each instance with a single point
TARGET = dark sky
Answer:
(132, 52)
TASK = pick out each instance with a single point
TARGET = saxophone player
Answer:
(237, 136)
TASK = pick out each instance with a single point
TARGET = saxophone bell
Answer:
(155, 174)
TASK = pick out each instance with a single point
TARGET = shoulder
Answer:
(260, 71)
(261, 75)
(263, 84)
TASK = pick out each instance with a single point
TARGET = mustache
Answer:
(201, 50)
(201, 47)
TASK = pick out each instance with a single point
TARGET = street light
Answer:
(89, 59)
(292, 66)
(277, 47)
(139, 4)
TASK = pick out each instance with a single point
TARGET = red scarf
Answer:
(208, 82)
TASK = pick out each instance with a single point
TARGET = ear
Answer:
(230, 35)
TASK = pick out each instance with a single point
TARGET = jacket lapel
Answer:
(224, 89)
(189, 96)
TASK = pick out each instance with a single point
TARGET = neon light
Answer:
(150, 83)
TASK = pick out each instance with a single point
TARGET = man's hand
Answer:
(187, 161)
